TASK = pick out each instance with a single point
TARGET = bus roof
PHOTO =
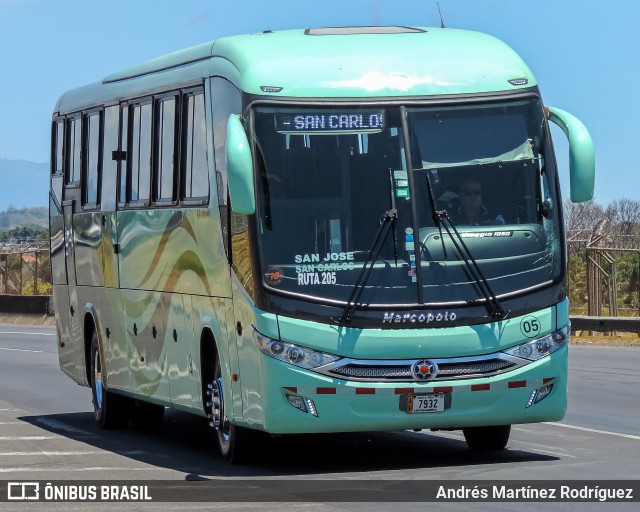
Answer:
(342, 62)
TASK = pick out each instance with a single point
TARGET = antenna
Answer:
(440, 12)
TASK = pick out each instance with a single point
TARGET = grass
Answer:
(621, 339)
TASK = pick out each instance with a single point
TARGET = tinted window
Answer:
(165, 149)
(74, 143)
(195, 173)
(140, 153)
(226, 101)
(109, 170)
(58, 140)
(93, 158)
(122, 195)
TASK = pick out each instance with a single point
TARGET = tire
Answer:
(485, 439)
(236, 444)
(146, 415)
(111, 411)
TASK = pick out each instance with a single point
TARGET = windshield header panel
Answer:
(336, 122)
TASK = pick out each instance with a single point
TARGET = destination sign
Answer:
(348, 121)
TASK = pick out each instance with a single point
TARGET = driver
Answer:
(471, 211)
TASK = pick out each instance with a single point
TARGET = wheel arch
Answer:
(89, 326)
(208, 353)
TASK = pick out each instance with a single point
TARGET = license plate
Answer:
(432, 402)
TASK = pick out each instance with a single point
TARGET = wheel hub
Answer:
(216, 404)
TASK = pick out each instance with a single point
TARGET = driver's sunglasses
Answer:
(471, 192)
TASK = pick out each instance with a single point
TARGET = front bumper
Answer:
(345, 406)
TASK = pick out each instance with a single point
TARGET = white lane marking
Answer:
(26, 438)
(47, 470)
(48, 454)
(595, 431)
(12, 423)
(10, 410)
(19, 349)
(29, 333)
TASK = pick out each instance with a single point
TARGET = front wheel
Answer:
(236, 444)
(110, 410)
(484, 439)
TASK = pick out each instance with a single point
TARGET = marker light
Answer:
(541, 347)
(292, 354)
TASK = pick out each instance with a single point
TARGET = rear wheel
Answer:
(111, 410)
(483, 439)
(236, 444)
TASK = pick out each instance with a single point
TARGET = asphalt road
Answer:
(47, 431)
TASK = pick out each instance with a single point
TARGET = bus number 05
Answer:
(530, 326)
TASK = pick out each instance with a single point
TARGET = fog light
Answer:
(540, 394)
(298, 402)
(303, 404)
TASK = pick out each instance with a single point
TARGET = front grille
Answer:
(475, 368)
(374, 372)
(402, 371)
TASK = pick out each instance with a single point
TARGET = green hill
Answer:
(13, 217)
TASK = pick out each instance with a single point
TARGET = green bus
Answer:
(321, 230)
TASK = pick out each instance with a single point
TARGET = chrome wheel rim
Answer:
(97, 379)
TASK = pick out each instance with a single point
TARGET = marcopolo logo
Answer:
(418, 318)
(23, 491)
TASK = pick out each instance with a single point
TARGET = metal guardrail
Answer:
(26, 304)
(605, 324)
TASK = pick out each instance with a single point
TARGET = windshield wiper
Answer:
(386, 223)
(442, 220)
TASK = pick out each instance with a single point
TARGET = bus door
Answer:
(58, 251)
(70, 315)
(113, 155)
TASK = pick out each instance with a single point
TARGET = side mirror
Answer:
(239, 167)
(582, 160)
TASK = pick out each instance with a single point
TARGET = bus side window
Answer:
(226, 100)
(139, 165)
(57, 154)
(164, 167)
(93, 136)
(73, 146)
(195, 172)
(124, 156)
(57, 165)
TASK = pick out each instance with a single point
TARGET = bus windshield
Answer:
(328, 178)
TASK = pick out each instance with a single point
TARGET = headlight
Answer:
(292, 354)
(538, 348)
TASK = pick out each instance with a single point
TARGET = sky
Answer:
(584, 54)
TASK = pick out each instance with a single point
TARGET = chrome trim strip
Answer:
(329, 369)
